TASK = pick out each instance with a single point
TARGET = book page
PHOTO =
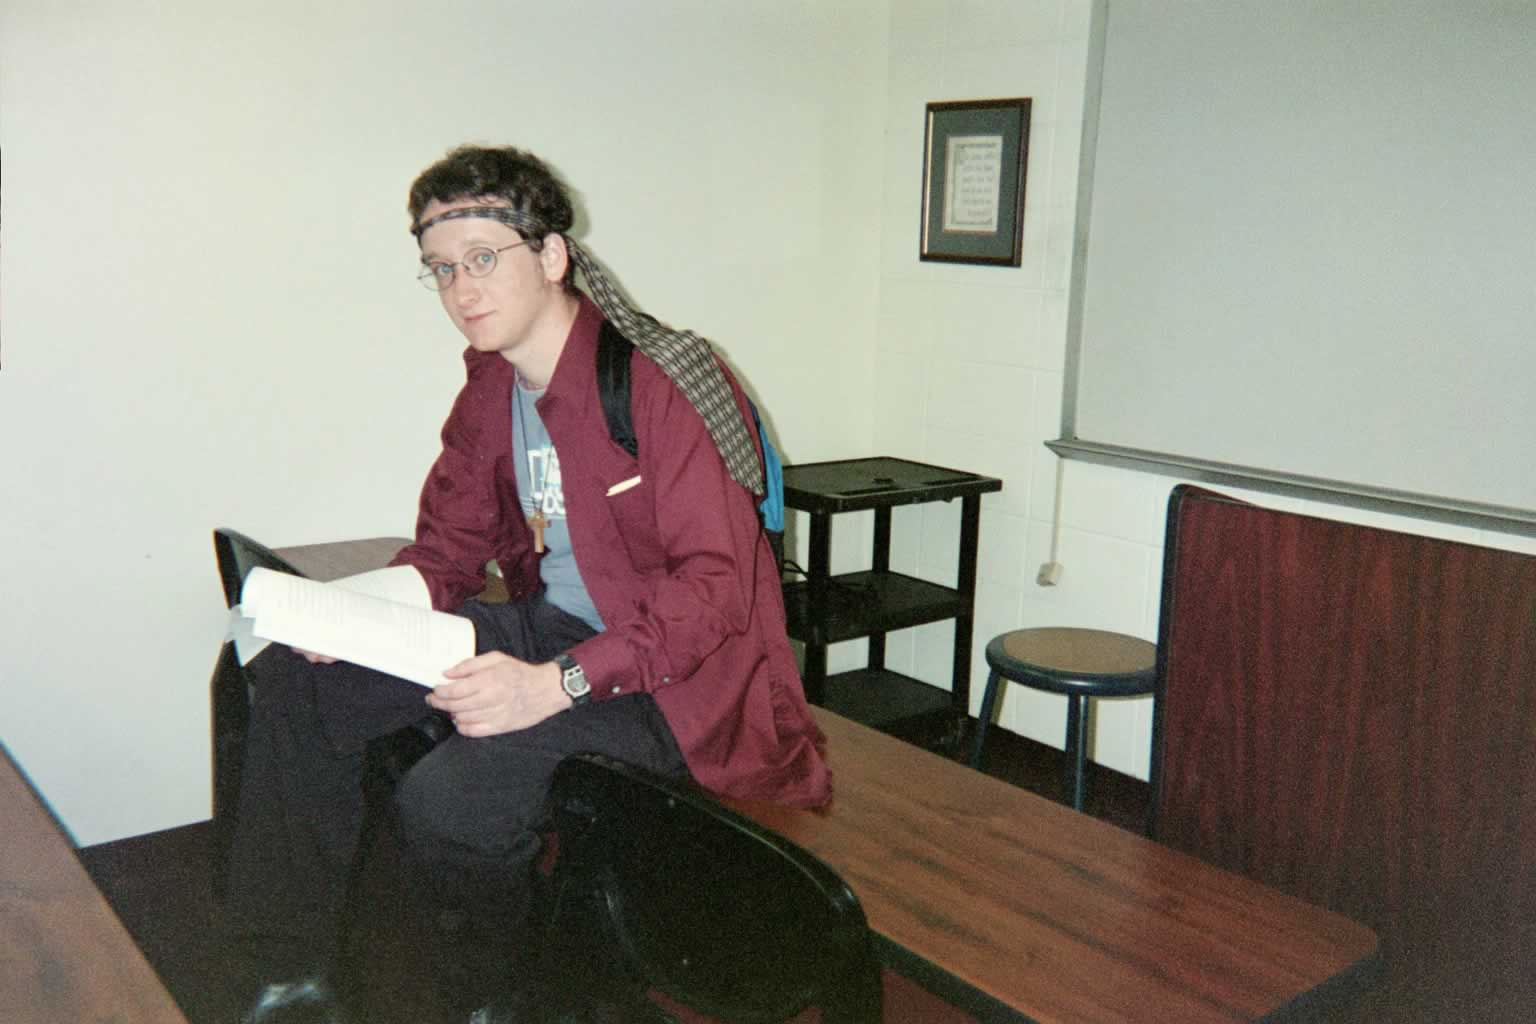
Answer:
(413, 643)
(401, 583)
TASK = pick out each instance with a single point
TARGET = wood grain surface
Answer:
(64, 955)
(1348, 713)
(336, 559)
(1055, 914)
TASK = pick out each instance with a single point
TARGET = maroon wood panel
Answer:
(1349, 714)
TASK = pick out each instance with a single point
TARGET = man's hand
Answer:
(494, 693)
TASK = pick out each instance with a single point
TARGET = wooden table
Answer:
(1016, 907)
(1008, 904)
(64, 955)
(347, 557)
(340, 558)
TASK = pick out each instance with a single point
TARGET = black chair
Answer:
(692, 906)
(229, 692)
(389, 758)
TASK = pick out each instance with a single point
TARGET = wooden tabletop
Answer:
(64, 955)
(1035, 907)
(1057, 915)
(336, 559)
(340, 558)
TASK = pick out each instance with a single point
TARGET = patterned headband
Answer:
(684, 356)
(511, 218)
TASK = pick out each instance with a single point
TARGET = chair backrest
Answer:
(1346, 713)
(237, 555)
(229, 694)
(705, 907)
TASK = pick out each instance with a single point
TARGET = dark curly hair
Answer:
(519, 178)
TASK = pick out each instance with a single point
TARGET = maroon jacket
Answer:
(677, 565)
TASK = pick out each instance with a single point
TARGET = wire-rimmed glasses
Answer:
(437, 275)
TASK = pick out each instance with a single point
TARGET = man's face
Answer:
(504, 310)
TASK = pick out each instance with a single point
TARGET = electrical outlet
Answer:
(1049, 574)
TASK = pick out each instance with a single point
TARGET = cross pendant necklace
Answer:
(538, 521)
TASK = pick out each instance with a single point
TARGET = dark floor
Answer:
(160, 885)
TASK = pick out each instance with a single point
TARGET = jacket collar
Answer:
(576, 370)
(576, 367)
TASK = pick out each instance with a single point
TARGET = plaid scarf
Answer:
(683, 356)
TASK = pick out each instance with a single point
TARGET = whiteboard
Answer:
(1307, 243)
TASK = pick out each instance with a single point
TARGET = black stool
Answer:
(1080, 663)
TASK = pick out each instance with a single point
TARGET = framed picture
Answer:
(974, 156)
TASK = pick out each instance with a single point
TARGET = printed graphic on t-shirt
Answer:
(542, 494)
(544, 470)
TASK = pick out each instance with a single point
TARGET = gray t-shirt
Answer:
(538, 486)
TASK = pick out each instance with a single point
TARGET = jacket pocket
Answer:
(632, 508)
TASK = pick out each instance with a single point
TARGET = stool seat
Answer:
(1080, 663)
(1094, 662)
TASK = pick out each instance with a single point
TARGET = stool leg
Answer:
(988, 700)
(1077, 748)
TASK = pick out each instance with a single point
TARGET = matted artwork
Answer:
(975, 153)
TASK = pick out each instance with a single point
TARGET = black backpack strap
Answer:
(613, 357)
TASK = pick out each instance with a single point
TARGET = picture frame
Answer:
(975, 159)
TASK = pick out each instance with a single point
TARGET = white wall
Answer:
(969, 364)
(209, 317)
(206, 315)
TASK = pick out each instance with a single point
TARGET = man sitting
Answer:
(645, 622)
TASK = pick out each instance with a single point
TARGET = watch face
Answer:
(574, 680)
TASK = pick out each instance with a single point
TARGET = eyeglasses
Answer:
(478, 262)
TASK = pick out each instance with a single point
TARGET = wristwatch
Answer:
(573, 680)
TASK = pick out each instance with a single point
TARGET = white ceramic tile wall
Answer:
(988, 346)
(984, 348)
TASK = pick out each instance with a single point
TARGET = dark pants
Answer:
(469, 811)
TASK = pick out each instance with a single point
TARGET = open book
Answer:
(382, 620)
